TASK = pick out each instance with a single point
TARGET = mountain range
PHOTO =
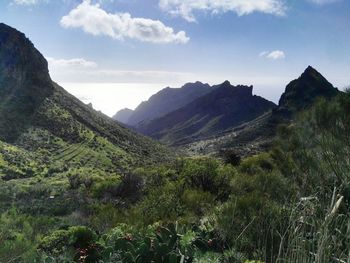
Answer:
(255, 136)
(223, 108)
(224, 116)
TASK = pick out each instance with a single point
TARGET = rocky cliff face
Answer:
(24, 82)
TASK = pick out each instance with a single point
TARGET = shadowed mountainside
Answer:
(225, 107)
(167, 100)
(123, 115)
(257, 135)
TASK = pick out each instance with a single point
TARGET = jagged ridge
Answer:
(225, 107)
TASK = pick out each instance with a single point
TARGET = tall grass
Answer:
(318, 233)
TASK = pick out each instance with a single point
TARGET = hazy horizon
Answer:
(110, 98)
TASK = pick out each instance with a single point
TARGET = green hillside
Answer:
(47, 135)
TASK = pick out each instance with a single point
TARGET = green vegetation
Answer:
(288, 205)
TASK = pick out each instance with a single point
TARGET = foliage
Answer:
(314, 151)
(207, 175)
(287, 205)
(80, 240)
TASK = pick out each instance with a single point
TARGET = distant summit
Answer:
(225, 107)
(123, 115)
(301, 93)
(167, 100)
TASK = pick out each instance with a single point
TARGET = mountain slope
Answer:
(257, 135)
(24, 82)
(123, 115)
(52, 146)
(37, 114)
(167, 100)
(224, 108)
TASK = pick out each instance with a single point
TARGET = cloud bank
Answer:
(25, 2)
(186, 8)
(323, 2)
(96, 21)
(274, 55)
(74, 62)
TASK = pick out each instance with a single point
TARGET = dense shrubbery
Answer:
(289, 205)
(213, 203)
(314, 152)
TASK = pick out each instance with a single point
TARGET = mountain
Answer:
(301, 93)
(123, 115)
(257, 135)
(40, 118)
(24, 82)
(223, 108)
(167, 100)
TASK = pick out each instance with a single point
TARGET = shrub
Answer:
(197, 201)
(75, 180)
(258, 163)
(106, 216)
(231, 157)
(79, 240)
(105, 187)
(160, 204)
(207, 175)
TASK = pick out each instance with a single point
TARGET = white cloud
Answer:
(92, 75)
(74, 62)
(83, 70)
(263, 53)
(323, 2)
(274, 55)
(26, 2)
(96, 21)
(186, 8)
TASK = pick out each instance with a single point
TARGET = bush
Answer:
(160, 204)
(104, 188)
(197, 201)
(258, 163)
(106, 216)
(79, 240)
(19, 235)
(207, 175)
(231, 157)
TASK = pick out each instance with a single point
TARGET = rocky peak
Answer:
(226, 89)
(302, 92)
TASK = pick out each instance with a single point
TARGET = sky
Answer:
(117, 53)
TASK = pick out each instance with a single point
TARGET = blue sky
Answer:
(140, 46)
